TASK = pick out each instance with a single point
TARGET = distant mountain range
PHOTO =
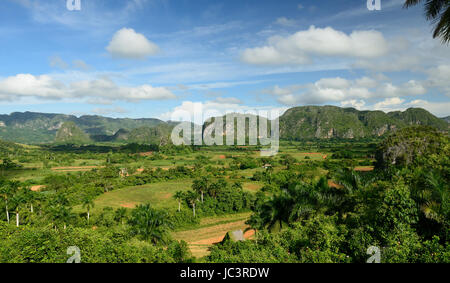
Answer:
(306, 122)
(334, 122)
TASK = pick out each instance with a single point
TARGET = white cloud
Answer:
(300, 47)
(440, 77)
(283, 21)
(439, 109)
(412, 87)
(28, 85)
(46, 87)
(126, 43)
(388, 103)
(344, 91)
(358, 104)
(58, 62)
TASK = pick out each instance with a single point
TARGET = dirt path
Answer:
(75, 168)
(200, 240)
(364, 168)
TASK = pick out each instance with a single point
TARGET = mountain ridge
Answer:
(302, 122)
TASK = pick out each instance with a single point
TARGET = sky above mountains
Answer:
(147, 58)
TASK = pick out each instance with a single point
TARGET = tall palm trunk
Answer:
(193, 208)
(31, 208)
(7, 212)
(202, 196)
(17, 219)
(88, 216)
(179, 205)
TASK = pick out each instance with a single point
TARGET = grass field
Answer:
(159, 195)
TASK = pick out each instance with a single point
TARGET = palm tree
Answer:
(179, 195)
(30, 197)
(7, 191)
(120, 214)
(192, 198)
(17, 200)
(59, 210)
(201, 185)
(64, 214)
(88, 203)
(276, 211)
(149, 223)
(437, 11)
(433, 197)
(353, 183)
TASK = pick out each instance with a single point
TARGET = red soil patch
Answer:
(222, 156)
(94, 227)
(249, 234)
(324, 157)
(146, 153)
(128, 205)
(37, 188)
(332, 184)
(215, 240)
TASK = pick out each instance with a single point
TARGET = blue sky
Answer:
(148, 58)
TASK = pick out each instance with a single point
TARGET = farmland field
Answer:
(198, 196)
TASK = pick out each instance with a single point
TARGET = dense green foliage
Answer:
(307, 204)
(403, 209)
(311, 122)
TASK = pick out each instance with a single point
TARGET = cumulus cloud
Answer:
(301, 47)
(128, 44)
(439, 109)
(46, 87)
(26, 85)
(389, 103)
(348, 92)
(411, 87)
(357, 104)
(440, 77)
